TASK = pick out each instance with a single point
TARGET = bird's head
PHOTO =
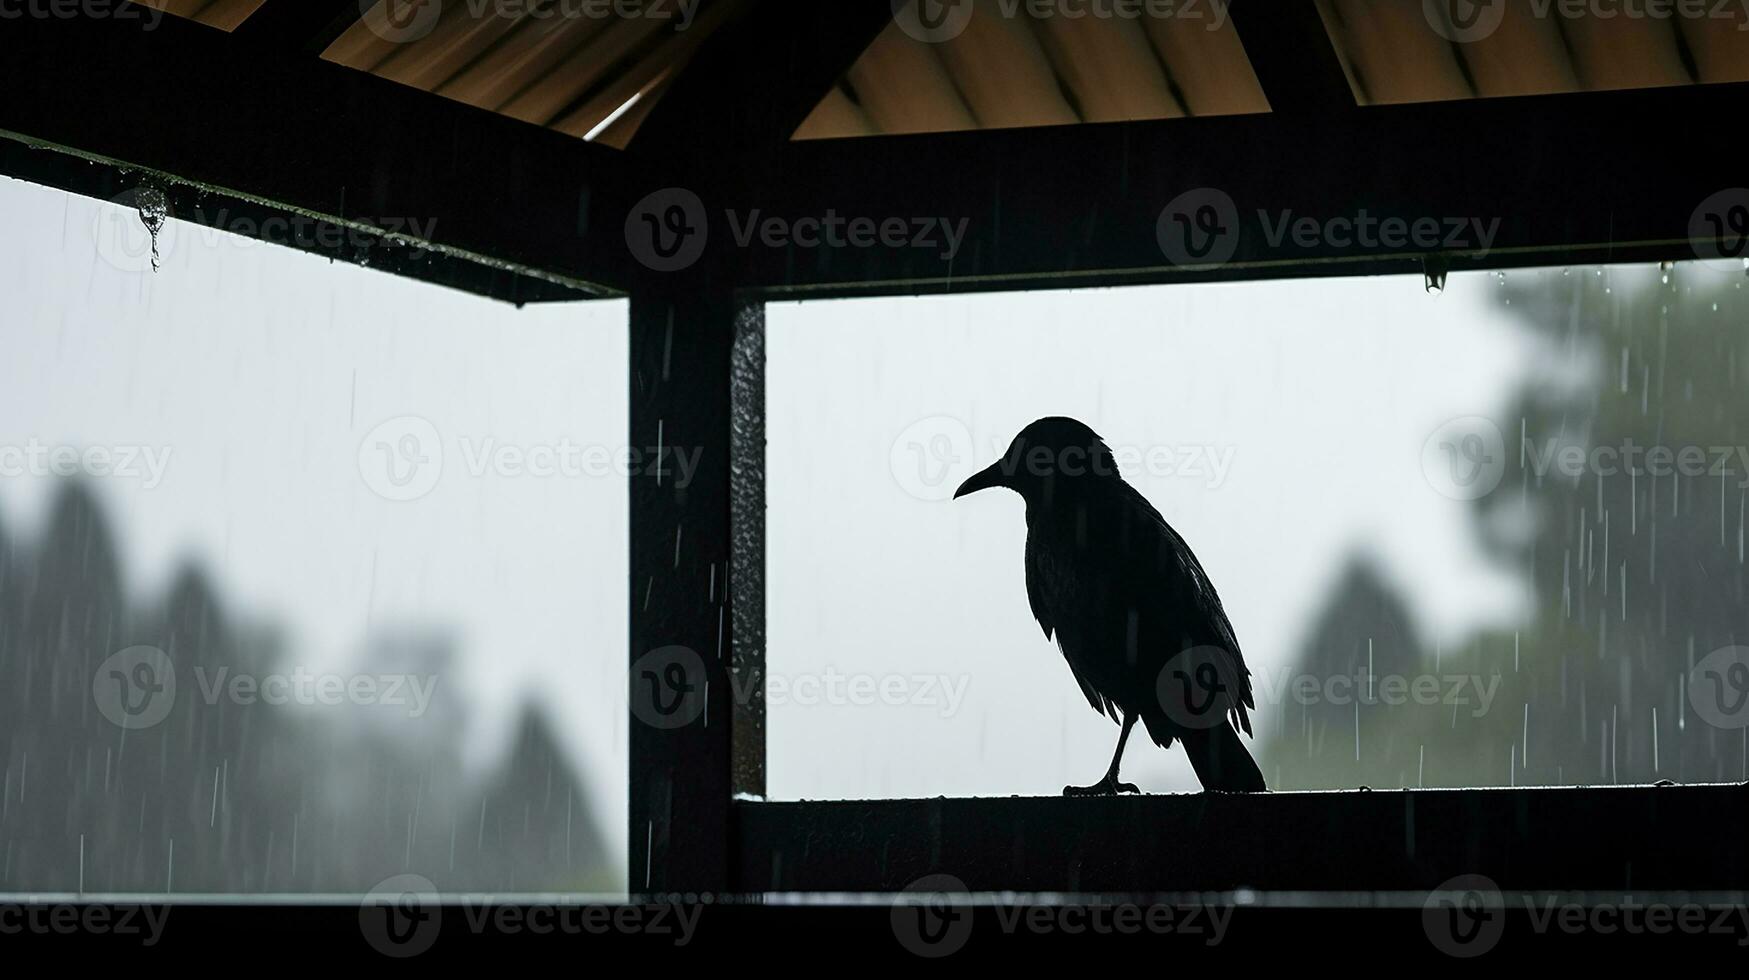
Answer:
(1046, 457)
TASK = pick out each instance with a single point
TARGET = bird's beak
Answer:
(984, 479)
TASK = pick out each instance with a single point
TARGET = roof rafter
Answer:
(754, 81)
(302, 26)
(1291, 53)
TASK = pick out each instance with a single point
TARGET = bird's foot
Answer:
(1109, 786)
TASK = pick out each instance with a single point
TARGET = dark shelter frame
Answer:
(254, 123)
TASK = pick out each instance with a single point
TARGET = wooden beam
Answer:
(756, 78)
(1555, 180)
(1291, 53)
(321, 140)
(303, 27)
(1588, 839)
(682, 623)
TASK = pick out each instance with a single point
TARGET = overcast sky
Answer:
(1278, 426)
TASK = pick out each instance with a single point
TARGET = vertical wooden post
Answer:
(682, 624)
(681, 628)
(747, 554)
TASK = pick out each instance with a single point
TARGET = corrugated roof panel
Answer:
(582, 69)
(990, 64)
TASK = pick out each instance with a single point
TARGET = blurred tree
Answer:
(1636, 564)
(229, 794)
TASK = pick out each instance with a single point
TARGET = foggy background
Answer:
(321, 510)
(263, 372)
(1381, 515)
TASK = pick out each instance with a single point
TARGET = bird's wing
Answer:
(1196, 590)
(1041, 612)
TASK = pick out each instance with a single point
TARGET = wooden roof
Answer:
(597, 77)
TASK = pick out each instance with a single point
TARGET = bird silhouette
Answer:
(1129, 605)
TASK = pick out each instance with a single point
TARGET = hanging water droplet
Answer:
(154, 208)
(1433, 271)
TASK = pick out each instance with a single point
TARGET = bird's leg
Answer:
(1109, 786)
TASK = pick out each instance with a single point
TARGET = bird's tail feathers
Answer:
(1221, 761)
